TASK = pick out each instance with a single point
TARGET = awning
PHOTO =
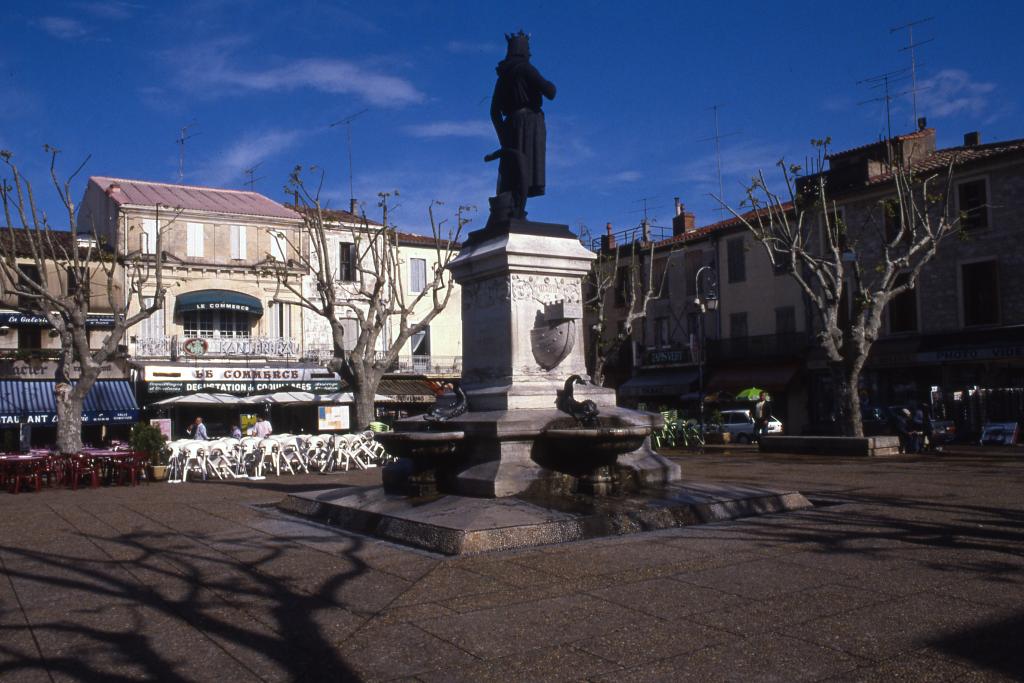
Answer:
(282, 398)
(769, 377)
(217, 300)
(406, 390)
(200, 399)
(108, 402)
(662, 383)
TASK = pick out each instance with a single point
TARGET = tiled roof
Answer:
(191, 197)
(959, 156)
(23, 247)
(706, 230)
(925, 132)
(423, 240)
(339, 215)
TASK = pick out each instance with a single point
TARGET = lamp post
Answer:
(707, 300)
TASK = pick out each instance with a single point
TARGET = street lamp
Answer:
(707, 300)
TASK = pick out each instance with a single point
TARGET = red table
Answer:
(18, 469)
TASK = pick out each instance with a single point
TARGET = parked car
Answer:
(880, 421)
(740, 424)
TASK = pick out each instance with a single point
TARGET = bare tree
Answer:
(376, 297)
(620, 276)
(54, 274)
(850, 273)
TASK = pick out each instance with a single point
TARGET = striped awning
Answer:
(108, 402)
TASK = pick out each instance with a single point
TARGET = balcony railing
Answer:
(760, 346)
(177, 347)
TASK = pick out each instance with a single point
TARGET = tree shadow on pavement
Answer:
(993, 646)
(163, 606)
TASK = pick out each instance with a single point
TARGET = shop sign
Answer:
(672, 357)
(45, 369)
(262, 387)
(88, 417)
(185, 373)
(972, 354)
(25, 320)
(195, 347)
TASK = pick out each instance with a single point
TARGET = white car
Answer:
(740, 424)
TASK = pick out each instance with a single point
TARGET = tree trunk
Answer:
(69, 419)
(845, 380)
(363, 412)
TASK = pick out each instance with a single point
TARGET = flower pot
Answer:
(156, 472)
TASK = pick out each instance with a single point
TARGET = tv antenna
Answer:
(910, 47)
(884, 81)
(185, 135)
(251, 172)
(347, 122)
(717, 137)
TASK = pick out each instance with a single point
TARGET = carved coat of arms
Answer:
(553, 338)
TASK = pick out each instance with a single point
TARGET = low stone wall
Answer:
(832, 445)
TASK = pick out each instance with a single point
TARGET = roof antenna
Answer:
(910, 46)
(251, 172)
(185, 135)
(885, 81)
(717, 137)
(347, 122)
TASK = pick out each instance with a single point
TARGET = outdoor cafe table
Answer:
(107, 459)
(18, 468)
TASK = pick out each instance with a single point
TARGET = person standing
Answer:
(236, 432)
(200, 431)
(761, 415)
(263, 428)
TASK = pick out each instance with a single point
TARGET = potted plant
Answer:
(715, 434)
(148, 439)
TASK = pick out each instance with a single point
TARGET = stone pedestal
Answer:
(522, 316)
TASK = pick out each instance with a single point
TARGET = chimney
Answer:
(972, 139)
(608, 239)
(113, 189)
(645, 230)
(353, 206)
(683, 221)
(922, 123)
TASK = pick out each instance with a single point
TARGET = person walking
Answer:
(761, 415)
(263, 428)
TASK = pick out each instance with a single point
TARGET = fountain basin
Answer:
(421, 455)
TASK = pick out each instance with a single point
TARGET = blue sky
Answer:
(636, 80)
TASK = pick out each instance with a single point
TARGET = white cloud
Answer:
(461, 47)
(951, 92)
(472, 128)
(109, 9)
(626, 177)
(63, 28)
(206, 68)
(227, 170)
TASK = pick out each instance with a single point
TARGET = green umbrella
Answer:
(751, 394)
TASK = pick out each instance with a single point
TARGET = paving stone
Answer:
(561, 663)
(666, 599)
(757, 579)
(392, 651)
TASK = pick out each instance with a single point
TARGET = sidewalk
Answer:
(911, 568)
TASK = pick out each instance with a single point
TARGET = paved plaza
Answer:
(909, 568)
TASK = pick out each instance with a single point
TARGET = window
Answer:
(622, 290)
(903, 309)
(979, 284)
(29, 274)
(278, 246)
(351, 335)
(417, 275)
(216, 324)
(421, 342)
(74, 285)
(153, 326)
(737, 325)
(238, 242)
(148, 236)
(661, 334)
(693, 260)
(736, 260)
(279, 321)
(893, 220)
(785, 320)
(194, 240)
(781, 263)
(30, 337)
(972, 200)
(346, 262)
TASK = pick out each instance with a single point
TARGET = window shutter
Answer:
(148, 236)
(194, 244)
(235, 232)
(278, 247)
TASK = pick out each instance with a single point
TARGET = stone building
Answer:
(219, 330)
(958, 335)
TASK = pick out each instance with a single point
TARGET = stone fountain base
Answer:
(460, 525)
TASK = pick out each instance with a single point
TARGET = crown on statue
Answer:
(517, 40)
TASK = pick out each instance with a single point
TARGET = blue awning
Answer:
(217, 300)
(108, 402)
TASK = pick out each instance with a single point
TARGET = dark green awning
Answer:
(217, 300)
